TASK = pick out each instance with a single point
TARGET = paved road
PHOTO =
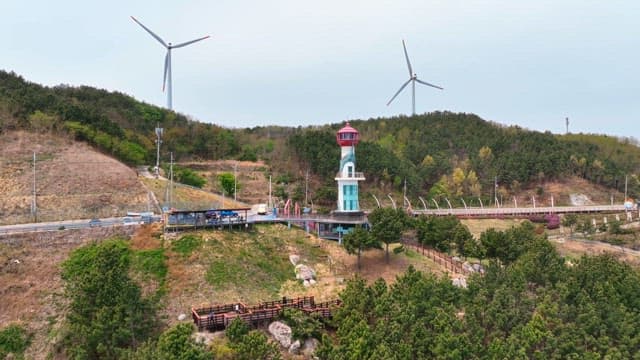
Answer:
(71, 224)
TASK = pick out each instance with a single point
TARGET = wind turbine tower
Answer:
(167, 59)
(413, 78)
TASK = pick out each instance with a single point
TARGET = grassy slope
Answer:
(73, 181)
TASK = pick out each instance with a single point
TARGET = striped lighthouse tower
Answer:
(347, 177)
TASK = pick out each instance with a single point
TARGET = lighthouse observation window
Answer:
(350, 171)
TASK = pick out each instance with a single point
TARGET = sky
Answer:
(530, 63)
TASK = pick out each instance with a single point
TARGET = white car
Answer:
(262, 209)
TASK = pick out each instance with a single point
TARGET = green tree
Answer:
(227, 183)
(462, 237)
(387, 225)
(359, 240)
(236, 330)
(256, 345)
(177, 344)
(569, 220)
(107, 312)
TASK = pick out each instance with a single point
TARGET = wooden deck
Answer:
(218, 317)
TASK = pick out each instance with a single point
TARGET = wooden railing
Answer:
(218, 317)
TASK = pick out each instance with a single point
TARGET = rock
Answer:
(460, 282)
(309, 347)
(281, 332)
(181, 317)
(304, 272)
(306, 283)
(204, 337)
(295, 259)
(312, 282)
(295, 348)
(478, 268)
(457, 259)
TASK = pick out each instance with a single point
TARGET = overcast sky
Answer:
(529, 63)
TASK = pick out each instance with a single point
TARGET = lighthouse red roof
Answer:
(347, 136)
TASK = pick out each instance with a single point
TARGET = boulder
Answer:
(306, 283)
(181, 317)
(295, 259)
(309, 347)
(295, 348)
(312, 282)
(304, 272)
(460, 282)
(281, 332)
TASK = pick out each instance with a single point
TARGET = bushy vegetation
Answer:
(14, 340)
(176, 343)
(107, 313)
(451, 155)
(440, 155)
(113, 122)
(527, 305)
(186, 244)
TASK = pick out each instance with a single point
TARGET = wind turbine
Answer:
(412, 79)
(167, 60)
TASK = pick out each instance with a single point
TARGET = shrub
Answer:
(302, 325)
(236, 330)
(553, 221)
(13, 339)
(186, 244)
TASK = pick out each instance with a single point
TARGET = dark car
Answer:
(94, 222)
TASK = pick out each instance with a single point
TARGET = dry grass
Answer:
(253, 184)
(187, 197)
(478, 226)
(73, 181)
(30, 284)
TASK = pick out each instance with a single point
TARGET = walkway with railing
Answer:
(447, 262)
(218, 317)
(519, 211)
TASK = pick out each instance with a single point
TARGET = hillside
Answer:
(73, 180)
(438, 156)
(187, 269)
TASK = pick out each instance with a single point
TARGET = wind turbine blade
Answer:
(402, 87)
(407, 57)
(151, 32)
(426, 83)
(189, 42)
(166, 70)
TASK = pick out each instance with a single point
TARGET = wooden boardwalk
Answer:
(218, 317)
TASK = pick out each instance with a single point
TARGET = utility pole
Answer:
(625, 187)
(567, 124)
(269, 191)
(171, 181)
(34, 207)
(306, 188)
(495, 191)
(159, 132)
(235, 182)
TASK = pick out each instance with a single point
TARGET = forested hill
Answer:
(439, 154)
(113, 122)
(461, 155)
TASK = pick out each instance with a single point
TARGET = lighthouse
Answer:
(347, 177)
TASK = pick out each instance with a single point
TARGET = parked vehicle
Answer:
(94, 222)
(262, 209)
